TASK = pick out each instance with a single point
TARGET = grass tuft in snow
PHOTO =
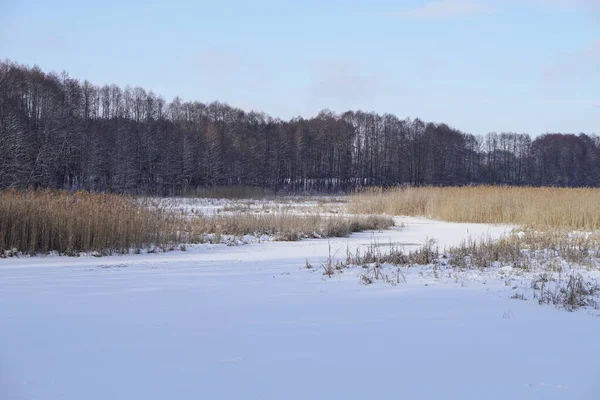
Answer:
(570, 294)
(553, 261)
(529, 249)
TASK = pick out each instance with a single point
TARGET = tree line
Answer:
(59, 132)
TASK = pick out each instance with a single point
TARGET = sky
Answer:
(530, 66)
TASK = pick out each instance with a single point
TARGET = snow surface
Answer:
(250, 322)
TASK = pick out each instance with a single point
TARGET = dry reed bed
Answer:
(33, 222)
(559, 238)
(289, 226)
(42, 221)
(540, 207)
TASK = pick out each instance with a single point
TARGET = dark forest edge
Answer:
(58, 132)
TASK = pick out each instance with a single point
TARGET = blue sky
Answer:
(479, 65)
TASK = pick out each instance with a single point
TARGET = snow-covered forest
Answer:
(60, 132)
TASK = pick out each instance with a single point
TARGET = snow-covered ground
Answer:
(251, 322)
(295, 204)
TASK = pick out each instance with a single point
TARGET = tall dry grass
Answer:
(47, 220)
(33, 222)
(539, 207)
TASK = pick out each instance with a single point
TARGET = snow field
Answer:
(251, 322)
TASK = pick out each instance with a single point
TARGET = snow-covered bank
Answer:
(250, 322)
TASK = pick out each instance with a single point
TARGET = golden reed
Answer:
(49, 220)
(40, 221)
(577, 208)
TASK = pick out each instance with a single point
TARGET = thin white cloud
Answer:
(345, 80)
(590, 6)
(594, 4)
(218, 61)
(580, 64)
(220, 66)
(441, 9)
